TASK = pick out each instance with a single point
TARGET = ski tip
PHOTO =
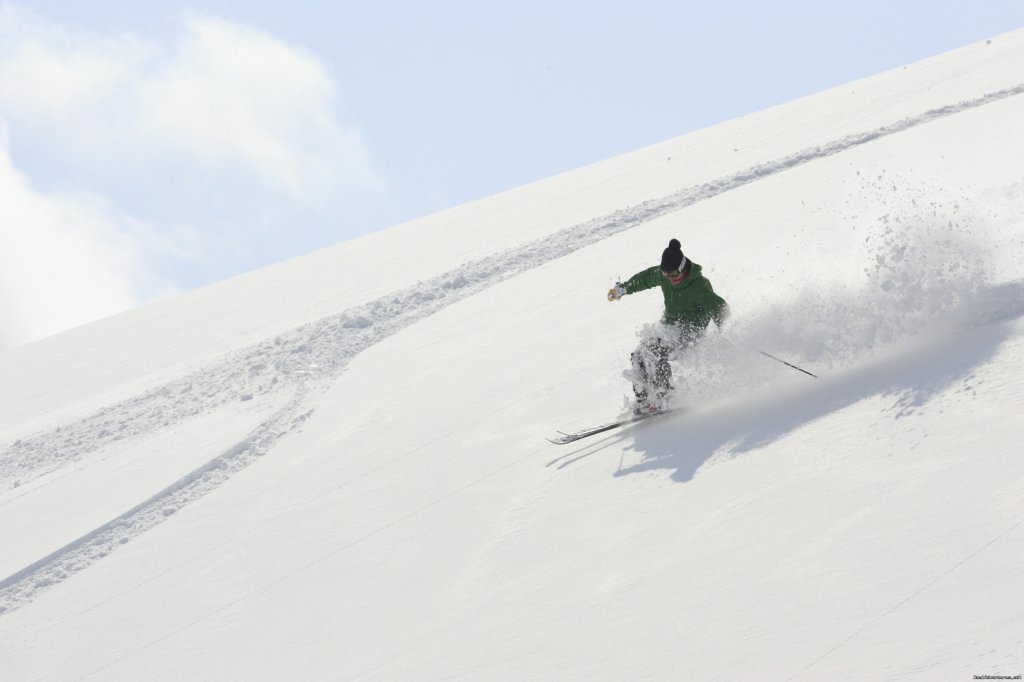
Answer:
(623, 421)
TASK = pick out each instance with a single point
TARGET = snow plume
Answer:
(929, 271)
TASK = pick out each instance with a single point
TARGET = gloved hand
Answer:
(616, 292)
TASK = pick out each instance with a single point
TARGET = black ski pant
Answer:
(652, 371)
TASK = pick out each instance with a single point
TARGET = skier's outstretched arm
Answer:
(645, 279)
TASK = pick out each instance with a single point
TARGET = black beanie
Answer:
(672, 257)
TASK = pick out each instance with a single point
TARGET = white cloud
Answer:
(220, 99)
(63, 261)
(69, 85)
(203, 135)
(234, 94)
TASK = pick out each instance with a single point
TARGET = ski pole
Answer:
(787, 364)
(769, 355)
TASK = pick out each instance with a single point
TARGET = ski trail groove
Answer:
(21, 587)
(306, 359)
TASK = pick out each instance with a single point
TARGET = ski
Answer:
(594, 430)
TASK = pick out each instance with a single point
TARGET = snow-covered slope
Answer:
(335, 468)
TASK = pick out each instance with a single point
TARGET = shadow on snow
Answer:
(911, 378)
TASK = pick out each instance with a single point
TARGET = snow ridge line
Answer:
(309, 357)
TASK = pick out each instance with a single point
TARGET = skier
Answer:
(690, 305)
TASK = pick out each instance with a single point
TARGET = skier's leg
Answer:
(640, 377)
(661, 379)
(683, 339)
(652, 373)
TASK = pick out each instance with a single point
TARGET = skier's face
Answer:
(674, 277)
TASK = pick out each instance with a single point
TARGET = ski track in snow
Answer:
(306, 360)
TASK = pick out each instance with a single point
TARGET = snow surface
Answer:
(335, 468)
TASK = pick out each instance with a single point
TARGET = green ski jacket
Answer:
(691, 304)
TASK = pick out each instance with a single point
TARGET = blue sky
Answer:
(150, 148)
